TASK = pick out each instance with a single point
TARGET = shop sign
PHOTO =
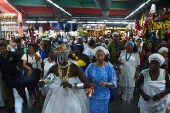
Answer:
(9, 28)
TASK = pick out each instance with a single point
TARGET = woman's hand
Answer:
(66, 84)
(103, 83)
(136, 75)
(146, 97)
(156, 98)
(30, 71)
(120, 62)
(41, 83)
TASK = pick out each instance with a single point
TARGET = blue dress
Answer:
(100, 98)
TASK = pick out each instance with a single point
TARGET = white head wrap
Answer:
(99, 48)
(115, 33)
(101, 37)
(163, 49)
(157, 57)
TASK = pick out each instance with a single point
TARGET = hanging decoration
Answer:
(31, 30)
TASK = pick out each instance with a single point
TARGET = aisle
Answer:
(117, 106)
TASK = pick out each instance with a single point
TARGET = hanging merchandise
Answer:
(137, 25)
(30, 30)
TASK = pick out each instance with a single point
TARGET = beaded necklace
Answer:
(127, 58)
(60, 71)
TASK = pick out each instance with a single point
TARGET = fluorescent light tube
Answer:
(108, 22)
(99, 22)
(90, 22)
(71, 21)
(30, 21)
(50, 1)
(125, 22)
(12, 6)
(53, 21)
(41, 21)
(116, 22)
(138, 9)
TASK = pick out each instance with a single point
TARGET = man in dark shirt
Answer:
(9, 62)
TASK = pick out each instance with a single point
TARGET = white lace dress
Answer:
(126, 77)
(60, 100)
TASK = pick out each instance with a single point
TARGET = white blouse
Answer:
(32, 60)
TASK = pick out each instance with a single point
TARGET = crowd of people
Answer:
(77, 75)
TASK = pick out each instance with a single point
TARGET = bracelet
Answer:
(79, 85)
(109, 84)
(46, 81)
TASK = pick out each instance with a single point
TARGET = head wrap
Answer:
(115, 33)
(81, 46)
(99, 48)
(130, 43)
(163, 49)
(157, 57)
(100, 37)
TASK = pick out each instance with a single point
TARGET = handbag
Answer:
(23, 78)
(28, 80)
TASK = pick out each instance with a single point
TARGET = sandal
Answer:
(127, 101)
(34, 101)
(38, 105)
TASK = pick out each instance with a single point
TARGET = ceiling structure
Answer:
(82, 10)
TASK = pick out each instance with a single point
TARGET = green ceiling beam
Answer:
(26, 2)
(73, 3)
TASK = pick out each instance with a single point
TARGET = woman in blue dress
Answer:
(103, 75)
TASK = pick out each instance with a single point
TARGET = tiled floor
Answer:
(117, 106)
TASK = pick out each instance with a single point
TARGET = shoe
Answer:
(38, 105)
(127, 101)
(11, 110)
(120, 96)
(34, 101)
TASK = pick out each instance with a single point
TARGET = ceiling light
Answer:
(116, 22)
(90, 22)
(108, 22)
(125, 22)
(100, 22)
(53, 21)
(41, 21)
(12, 6)
(30, 21)
(50, 1)
(138, 9)
(71, 21)
(81, 22)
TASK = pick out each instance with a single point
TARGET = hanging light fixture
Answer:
(50, 1)
(138, 8)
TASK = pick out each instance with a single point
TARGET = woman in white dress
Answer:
(48, 63)
(129, 64)
(66, 93)
(154, 86)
